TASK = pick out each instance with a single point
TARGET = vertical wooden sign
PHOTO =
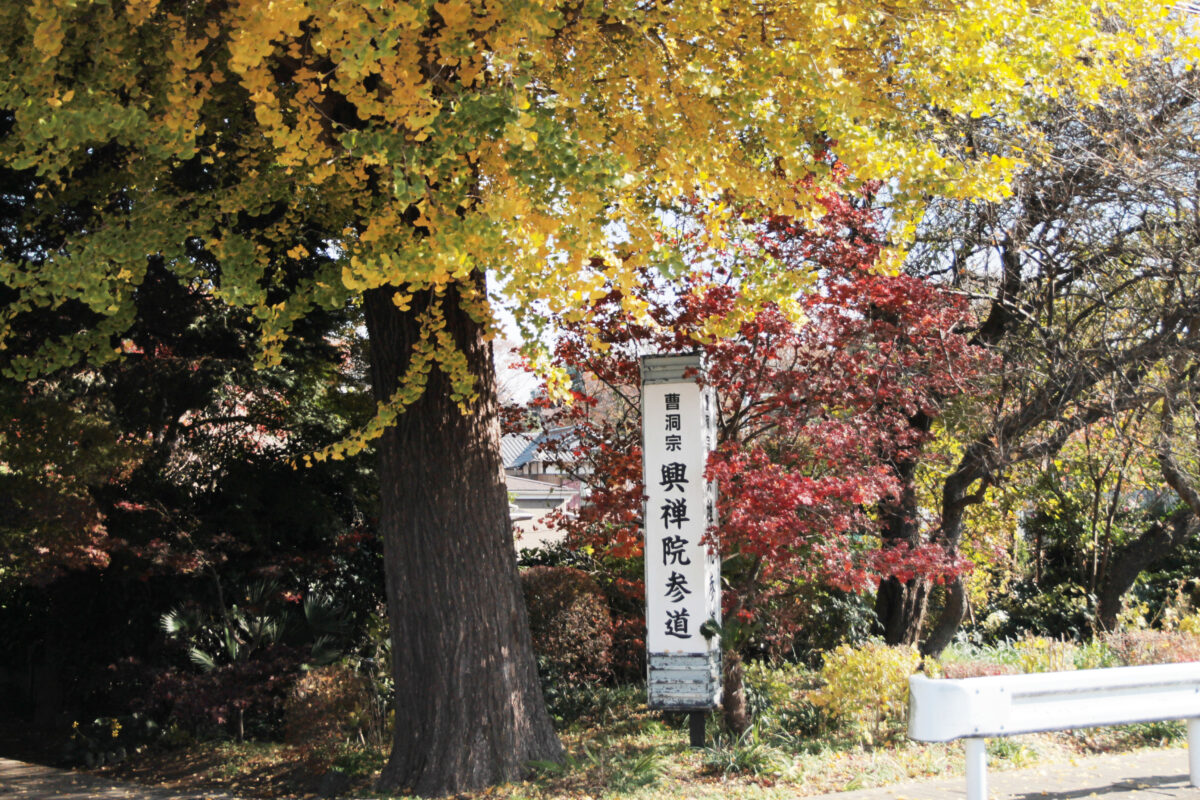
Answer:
(683, 578)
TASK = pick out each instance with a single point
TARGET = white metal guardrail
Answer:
(976, 709)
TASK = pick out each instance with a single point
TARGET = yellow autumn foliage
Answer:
(866, 687)
(542, 143)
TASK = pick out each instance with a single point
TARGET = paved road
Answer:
(20, 781)
(1148, 775)
(1143, 775)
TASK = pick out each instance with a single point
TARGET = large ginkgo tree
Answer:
(436, 162)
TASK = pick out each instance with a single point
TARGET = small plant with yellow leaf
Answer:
(866, 688)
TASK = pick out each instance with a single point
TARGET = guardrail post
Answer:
(1193, 726)
(976, 768)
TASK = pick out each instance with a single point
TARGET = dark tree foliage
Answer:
(165, 477)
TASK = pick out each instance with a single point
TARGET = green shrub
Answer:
(744, 755)
(1063, 610)
(866, 688)
(358, 761)
(1016, 751)
(617, 771)
(569, 622)
(804, 620)
(1095, 654)
(778, 699)
(625, 774)
(569, 701)
(1040, 654)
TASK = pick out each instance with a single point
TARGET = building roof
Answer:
(518, 449)
(526, 487)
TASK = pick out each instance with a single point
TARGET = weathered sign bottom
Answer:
(684, 681)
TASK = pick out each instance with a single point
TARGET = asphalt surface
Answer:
(1146, 775)
(21, 781)
(1143, 775)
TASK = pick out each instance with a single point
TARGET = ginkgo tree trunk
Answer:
(433, 142)
(464, 671)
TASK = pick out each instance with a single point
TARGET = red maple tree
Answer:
(820, 423)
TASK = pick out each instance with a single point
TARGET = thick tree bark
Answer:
(1126, 563)
(733, 694)
(900, 606)
(901, 609)
(469, 709)
(948, 620)
(955, 500)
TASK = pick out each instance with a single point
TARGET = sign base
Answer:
(684, 681)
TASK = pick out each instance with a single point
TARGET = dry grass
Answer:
(619, 749)
(648, 760)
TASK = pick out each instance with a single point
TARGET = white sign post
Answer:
(683, 576)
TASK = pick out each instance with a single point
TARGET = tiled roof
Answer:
(518, 449)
